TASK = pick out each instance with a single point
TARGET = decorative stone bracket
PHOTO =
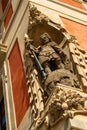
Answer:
(64, 102)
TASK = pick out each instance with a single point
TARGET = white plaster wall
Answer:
(15, 4)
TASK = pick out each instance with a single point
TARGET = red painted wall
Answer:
(78, 30)
(8, 16)
(4, 4)
(20, 93)
(74, 3)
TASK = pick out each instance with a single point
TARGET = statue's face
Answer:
(45, 38)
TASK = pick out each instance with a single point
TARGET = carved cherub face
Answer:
(45, 38)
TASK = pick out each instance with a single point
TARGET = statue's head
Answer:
(45, 38)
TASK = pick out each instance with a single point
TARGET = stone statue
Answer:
(50, 53)
(53, 63)
(56, 64)
(32, 52)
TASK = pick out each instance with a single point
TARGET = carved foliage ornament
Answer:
(36, 17)
(65, 103)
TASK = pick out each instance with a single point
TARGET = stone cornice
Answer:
(71, 13)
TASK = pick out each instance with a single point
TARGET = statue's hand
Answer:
(37, 49)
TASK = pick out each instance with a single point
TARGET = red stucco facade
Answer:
(4, 4)
(8, 16)
(20, 93)
(78, 30)
(74, 3)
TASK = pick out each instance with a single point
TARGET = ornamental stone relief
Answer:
(56, 71)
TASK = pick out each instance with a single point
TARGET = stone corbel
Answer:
(65, 104)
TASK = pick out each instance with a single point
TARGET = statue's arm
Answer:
(35, 49)
(59, 51)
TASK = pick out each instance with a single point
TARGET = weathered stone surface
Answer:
(75, 59)
(79, 122)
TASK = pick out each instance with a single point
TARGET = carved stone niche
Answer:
(64, 86)
(40, 23)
